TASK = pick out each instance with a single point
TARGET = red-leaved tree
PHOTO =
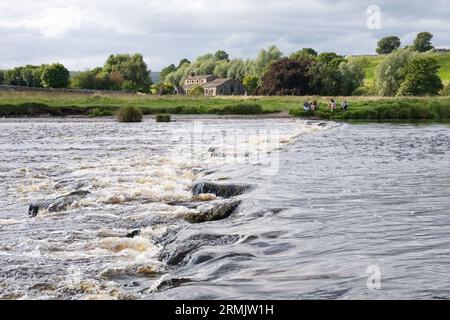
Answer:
(287, 77)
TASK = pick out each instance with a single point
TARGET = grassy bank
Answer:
(361, 108)
(59, 104)
(387, 109)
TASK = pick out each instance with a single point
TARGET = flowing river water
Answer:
(335, 211)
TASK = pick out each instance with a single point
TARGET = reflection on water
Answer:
(346, 197)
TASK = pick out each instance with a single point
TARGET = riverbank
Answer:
(394, 109)
(61, 104)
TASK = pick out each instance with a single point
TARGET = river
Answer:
(335, 211)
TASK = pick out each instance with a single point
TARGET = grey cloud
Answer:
(82, 33)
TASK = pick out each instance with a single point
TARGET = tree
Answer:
(221, 69)
(304, 53)
(238, 69)
(287, 77)
(32, 75)
(421, 77)
(84, 80)
(2, 77)
(131, 86)
(182, 62)
(132, 68)
(221, 55)
(176, 78)
(197, 91)
(326, 78)
(162, 89)
(422, 43)
(252, 84)
(264, 60)
(165, 71)
(27, 76)
(13, 77)
(115, 81)
(388, 45)
(353, 73)
(389, 73)
(55, 76)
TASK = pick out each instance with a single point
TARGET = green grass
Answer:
(374, 61)
(361, 108)
(55, 104)
(444, 62)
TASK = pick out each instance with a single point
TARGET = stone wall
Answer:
(5, 88)
(231, 87)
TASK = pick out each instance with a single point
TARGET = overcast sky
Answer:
(82, 33)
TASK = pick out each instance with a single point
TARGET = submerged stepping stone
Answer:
(57, 204)
(213, 211)
(219, 189)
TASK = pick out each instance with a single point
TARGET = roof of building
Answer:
(200, 77)
(216, 83)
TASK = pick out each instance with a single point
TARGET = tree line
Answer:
(411, 70)
(273, 73)
(44, 76)
(120, 72)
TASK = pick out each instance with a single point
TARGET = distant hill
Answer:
(74, 74)
(155, 77)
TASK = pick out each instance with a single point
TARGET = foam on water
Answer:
(134, 174)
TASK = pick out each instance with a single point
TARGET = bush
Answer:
(163, 118)
(130, 86)
(197, 91)
(421, 77)
(446, 91)
(361, 91)
(129, 114)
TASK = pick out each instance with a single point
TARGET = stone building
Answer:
(213, 85)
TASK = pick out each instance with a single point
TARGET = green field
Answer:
(442, 58)
(19, 104)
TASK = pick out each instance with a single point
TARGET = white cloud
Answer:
(51, 22)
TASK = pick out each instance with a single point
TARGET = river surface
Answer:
(335, 211)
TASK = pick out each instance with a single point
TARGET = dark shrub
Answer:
(243, 108)
(129, 114)
(163, 118)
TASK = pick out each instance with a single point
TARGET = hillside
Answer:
(443, 59)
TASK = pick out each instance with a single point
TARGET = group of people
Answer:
(314, 106)
(344, 106)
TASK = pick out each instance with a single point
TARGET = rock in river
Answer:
(219, 189)
(213, 211)
(57, 204)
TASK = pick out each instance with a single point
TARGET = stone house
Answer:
(213, 85)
